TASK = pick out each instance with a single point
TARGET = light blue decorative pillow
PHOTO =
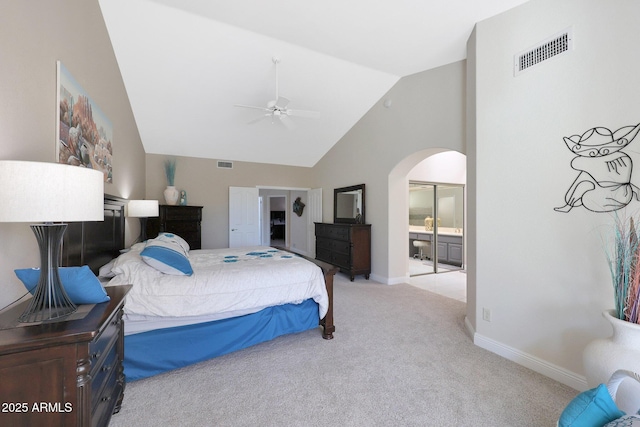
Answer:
(81, 285)
(167, 257)
(591, 408)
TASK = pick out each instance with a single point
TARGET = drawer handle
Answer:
(106, 368)
(106, 399)
(96, 355)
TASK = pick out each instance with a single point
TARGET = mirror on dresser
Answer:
(346, 243)
(349, 205)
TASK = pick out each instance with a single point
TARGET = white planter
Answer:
(171, 195)
(602, 357)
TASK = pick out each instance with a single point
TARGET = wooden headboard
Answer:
(95, 243)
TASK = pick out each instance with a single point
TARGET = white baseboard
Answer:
(390, 280)
(469, 328)
(540, 366)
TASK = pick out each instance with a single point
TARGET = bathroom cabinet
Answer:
(450, 249)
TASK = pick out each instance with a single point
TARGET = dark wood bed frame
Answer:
(95, 243)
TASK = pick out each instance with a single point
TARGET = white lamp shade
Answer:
(142, 208)
(50, 192)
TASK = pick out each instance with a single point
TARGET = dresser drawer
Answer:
(101, 345)
(322, 230)
(106, 400)
(341, 260)
(101, 375)
(340, 233)
(341, 247)
(178, 227)
(323, 254)
(324, 243)
(182, 213)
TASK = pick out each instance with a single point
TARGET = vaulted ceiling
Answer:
(186, 63)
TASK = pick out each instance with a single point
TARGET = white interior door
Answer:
(314, 208)
(244, 224)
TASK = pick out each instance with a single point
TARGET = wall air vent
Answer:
(225, 165)
(550, 48)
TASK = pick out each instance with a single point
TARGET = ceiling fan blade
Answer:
(259, 119)
(282, 102)
(303, 113)
(252, 106)
(287, 122)
(277, 109)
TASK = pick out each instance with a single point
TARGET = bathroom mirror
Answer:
(348, 205)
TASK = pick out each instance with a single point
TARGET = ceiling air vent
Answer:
(225, 165)
(550, 48)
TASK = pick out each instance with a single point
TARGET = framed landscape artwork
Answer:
(84, 132)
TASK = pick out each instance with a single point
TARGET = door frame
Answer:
(313, 210)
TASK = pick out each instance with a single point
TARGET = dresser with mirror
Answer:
(346, 243)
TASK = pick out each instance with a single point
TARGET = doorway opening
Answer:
(277, 221)
(436, 225)
(431, 166)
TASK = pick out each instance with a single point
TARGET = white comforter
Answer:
(225, 282)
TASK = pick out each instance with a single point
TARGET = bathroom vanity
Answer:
(450, 248)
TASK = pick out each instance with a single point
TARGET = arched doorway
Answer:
(440, 170)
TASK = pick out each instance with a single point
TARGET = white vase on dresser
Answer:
(171, 195)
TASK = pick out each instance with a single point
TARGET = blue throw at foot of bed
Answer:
(154, 352)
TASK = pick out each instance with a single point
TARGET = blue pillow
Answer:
(81, 285)
(167, 257)
(591, 408)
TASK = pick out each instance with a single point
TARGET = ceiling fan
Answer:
(276, 109)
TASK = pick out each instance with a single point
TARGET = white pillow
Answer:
(131, 256)
(170, 237)
(626, 421)
(106, 270)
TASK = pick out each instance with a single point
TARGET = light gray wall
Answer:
(449, 167)
(33, 36)
(278, 203)
(426, 117)
(297, 225)
(543, 274)
(208, 186)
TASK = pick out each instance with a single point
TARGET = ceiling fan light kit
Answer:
(276, 109)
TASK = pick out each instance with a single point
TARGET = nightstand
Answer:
(66, 372)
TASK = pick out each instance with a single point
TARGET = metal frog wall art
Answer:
(604, 171)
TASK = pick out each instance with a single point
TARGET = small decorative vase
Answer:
(428, 223)
(171, 195)
(602, 357)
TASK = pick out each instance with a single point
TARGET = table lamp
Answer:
(142, 209)
(48, 194)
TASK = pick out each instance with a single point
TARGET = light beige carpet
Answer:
(400, 357)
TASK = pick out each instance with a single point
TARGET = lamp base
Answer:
(50, 301)
(143, 229)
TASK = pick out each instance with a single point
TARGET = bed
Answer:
(162, 336)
